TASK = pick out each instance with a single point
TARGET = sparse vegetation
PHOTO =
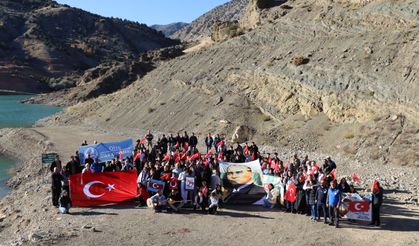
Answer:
(299, 60)
(348, 135)
(266, 117)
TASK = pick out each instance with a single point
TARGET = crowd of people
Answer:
(174, 159)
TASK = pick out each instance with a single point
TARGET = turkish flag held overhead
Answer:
(291, 193)
(93, 189)
(359, 206)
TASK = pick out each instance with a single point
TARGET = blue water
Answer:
(14, 114)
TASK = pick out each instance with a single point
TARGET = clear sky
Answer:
(148, 11)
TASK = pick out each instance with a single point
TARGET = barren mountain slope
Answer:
(169, 29)
(355, 90)
(42, 40)
(202, 26)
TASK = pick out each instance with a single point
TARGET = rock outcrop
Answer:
(202, 27)
(41, 41)
(169, 29)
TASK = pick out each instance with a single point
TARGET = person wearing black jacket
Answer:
(163, 143)
(377, 201)
(55, 163)
(321, 195)
(56, 186)
(73, 166)
(208, 142)
(171, 141)
(193, 140)
(65, 203)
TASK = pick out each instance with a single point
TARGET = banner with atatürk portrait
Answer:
(242, 183)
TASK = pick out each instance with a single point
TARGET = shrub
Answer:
(299, 60)
(348, 135)
(150, 110)
(266, 117)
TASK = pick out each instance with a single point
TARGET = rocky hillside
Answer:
(169, 29)
(320, 75)
(41, 40)
(202, 27)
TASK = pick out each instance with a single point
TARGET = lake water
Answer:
(14, 114)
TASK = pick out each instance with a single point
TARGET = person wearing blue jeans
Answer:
(321, 195)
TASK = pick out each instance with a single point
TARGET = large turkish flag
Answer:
(93, 189)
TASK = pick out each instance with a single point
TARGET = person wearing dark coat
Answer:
(193, 140)
(65, 203)
(208, 142)
(163, 143)
(377, 201)
(56, 186)
(55, 163)
(321, 195)
(73, 166)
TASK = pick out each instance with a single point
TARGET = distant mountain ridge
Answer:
(169, 29)
(202, 26)
(43, 40)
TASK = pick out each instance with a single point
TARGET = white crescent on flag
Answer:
(86, 189)
(359, 206)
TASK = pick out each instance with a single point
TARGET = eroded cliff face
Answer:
(354, 65)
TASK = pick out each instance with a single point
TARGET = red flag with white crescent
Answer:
(173, 184)
(93, 189)
(291, 193)
(359, 206)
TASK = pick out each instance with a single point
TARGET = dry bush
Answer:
(266, 117)
(299, 60)
(348, 135)
(349, 150)
(375, 155)
(150, 110)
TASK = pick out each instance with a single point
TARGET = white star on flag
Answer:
(110, 187)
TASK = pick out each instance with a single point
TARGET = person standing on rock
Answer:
(333, 203)
(377, 201)
(56, 185)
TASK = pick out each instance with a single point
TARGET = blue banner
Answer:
(106, 151)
